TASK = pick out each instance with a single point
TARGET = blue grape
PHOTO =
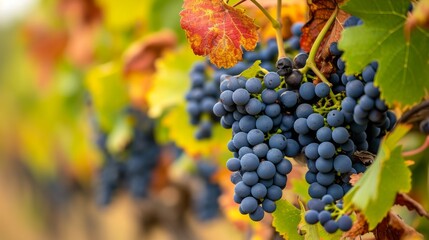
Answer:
(306, 91)
(316, 190)
(336, 191)
(292, 148)
(255, 136)
(254, 106)
(249, 162)
(316, 204)
(335, 118)
(274, 193)
(254, 85)
(345, 223)
(242, 190)
(269, 96)
(311, 217)
(272, 80)
(233, 164)
(259, 191)
(272, 110)
(300, 60)
(326, 150)
(324, 216)
(300, 126)
(304, 110)
(266, 170)
(268, 205)
(315, 121)
(250, 178)
(257, 215)
(311, 151)
(331, 226)
(327, 199)
(261, 150)
(277, 141)
(248, 204)
(264, 123)
(324, 165)
(274, 155)
(325, 179)
(354, 89)
(340, 135)
(324, 134)
(322, 90)
(289, 99)
(247, 123)
(284, 167)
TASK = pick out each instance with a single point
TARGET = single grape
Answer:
(326, 150)
(300, 60)
(248, 204)
(311, 217)
(254, 85)
(345, 223)
(249, 162)
(268, 205)
(242, 190)
(233, 164)
(259, 191)
(272, 80)
(340, 135)
(266, 170)
(306, 91)
(250, 178)
(322, 90)
(315, 121)
(331, 226)
(324, 216)
(257, 215)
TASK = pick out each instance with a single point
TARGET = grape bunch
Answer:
(205, 80)
(144, 153)
(251, 108)
(207, 205)
(141, 159)
(200, 100)
(293, 114)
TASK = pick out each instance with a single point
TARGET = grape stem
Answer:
(311, 62)
(418, 150)
(276, 24)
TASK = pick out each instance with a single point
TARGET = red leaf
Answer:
(392, 227)
(320, 11)
(218, 30)
(405, 200)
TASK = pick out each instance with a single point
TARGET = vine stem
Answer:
(276, 24)
(311, 62)
(418, 150)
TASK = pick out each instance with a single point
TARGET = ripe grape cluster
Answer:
(290, 113)
(136, 171)
(205, 80)
(252, 109)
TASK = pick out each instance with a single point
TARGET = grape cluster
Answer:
(136, 172)
(290, 113)
(144, 153)
(200, 100)
(356, 122)
(330, 217)
(252, 109)
(207, 205)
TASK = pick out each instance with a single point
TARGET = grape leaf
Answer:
(403, 66)
(171, 81)
(253, 70)
(375, 192)
(182, 133)
(218, 30)
(320, 12)
(286, 218)
(108, 92)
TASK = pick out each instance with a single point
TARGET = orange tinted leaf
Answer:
(320, 11)
(218, 30)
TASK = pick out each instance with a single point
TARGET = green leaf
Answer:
(375, 192)
(286, 219)
(171, 81)
(252, 70)
(403, 66)
(120, 135)
(108, 93)
(300, 188)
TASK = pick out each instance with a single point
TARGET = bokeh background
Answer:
(72, 72)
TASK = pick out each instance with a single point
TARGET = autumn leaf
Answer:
(141, 57)
(411, 204)
(320, 11)
(218, 30)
